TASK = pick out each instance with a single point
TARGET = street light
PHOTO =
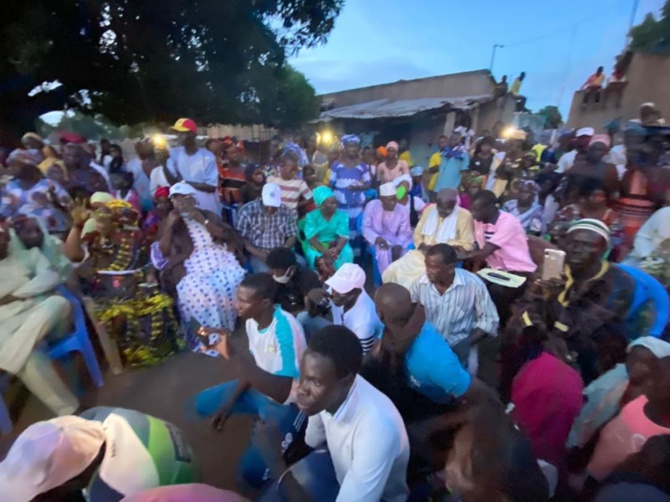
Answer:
(493, 55)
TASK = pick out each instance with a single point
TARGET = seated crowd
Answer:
(506, 344)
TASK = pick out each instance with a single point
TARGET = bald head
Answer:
(446, 201)
(393, 303)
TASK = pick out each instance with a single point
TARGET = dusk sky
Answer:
(556, 43)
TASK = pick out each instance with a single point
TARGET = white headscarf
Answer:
(447, 230)
(400, 179)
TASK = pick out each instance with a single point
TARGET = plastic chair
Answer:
(78, 340)
(370, 249)
(5, 421)
(647, 288)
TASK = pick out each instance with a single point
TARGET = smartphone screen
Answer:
(554, 261)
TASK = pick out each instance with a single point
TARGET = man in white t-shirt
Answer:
(196, 166)
(349, 303)
(266, 378)
(567, 160)
(367, 445)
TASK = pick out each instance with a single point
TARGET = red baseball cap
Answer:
(185, 125)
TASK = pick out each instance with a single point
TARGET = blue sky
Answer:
(558, 44)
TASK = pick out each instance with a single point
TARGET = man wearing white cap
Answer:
(266, 224)
(351, 306)
(583, 138)
(196, 166)
(109, 452)
(386, 226)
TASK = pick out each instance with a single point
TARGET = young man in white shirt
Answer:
(266, 375)
(367, 446)
(350, 305)
(196, 166)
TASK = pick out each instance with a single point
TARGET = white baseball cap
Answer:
(182, 188)
(48, 454)
(586, 131)
(658, 347)
(349, 276)
(271, 195)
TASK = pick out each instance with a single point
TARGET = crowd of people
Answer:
(376, 297)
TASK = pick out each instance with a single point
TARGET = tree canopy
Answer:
(553, 117)
(653, 35)
(156, 60)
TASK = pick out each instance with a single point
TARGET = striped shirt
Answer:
(464, 306)
(292, 190)
(362, 319)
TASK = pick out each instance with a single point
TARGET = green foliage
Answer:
(653, 35)
(553, 116)
(157, 60)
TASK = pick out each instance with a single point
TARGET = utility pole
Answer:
(493, 55)
(631, 23)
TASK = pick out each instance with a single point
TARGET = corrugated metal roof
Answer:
(385, 108)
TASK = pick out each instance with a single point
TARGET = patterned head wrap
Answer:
(298, 152)
(351, 139)
(120, 211)
(321, 194)
(592, 225)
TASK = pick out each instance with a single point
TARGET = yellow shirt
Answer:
(407, 157)
(434, 161)
(465, 233)
(516, 87)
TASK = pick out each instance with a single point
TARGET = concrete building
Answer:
(648, 80)
(418, 111)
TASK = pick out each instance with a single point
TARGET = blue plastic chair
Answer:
(370, 249)
(5, 420)
(78, 340)
(647, 288)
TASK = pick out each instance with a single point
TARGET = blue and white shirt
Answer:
(278, 348)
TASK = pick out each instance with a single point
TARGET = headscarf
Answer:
(321, 194)
(350, 139)
(121, 212)
(298, 152)
(528, 183)
(162, 192)
(416, 171)
(33, 157)
(592, 225)
(382, 151)
(601, 138)
(32, 135)
(250, 170)
(101, 198)
(392, 144)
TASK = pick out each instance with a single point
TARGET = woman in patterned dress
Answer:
(349, 179)
(196, 255)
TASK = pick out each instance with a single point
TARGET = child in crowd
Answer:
(254, 186)
(122, 184)
(295, 193)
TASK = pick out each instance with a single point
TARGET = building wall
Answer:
(648, 80)
(471, 83)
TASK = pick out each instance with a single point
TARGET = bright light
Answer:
(159, 141)
(327, 137)
(508, 131)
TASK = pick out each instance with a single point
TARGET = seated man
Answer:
(456, 302)
(368, 449)
(595, 293)
(110, 453)
(503, 244)
(294, 281)
(444, 222)
(386, 226)
(349, 304)
(265, 377)
(410, 341)
(266, 224)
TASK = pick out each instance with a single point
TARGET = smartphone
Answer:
(207, 340)
(554, 261)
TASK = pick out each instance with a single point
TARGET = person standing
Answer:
(196, 166)
(593, 86)
(515, 90)
(392, 167)
(295, 194)
(350, 178)
(454, 160)
(581, 143)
